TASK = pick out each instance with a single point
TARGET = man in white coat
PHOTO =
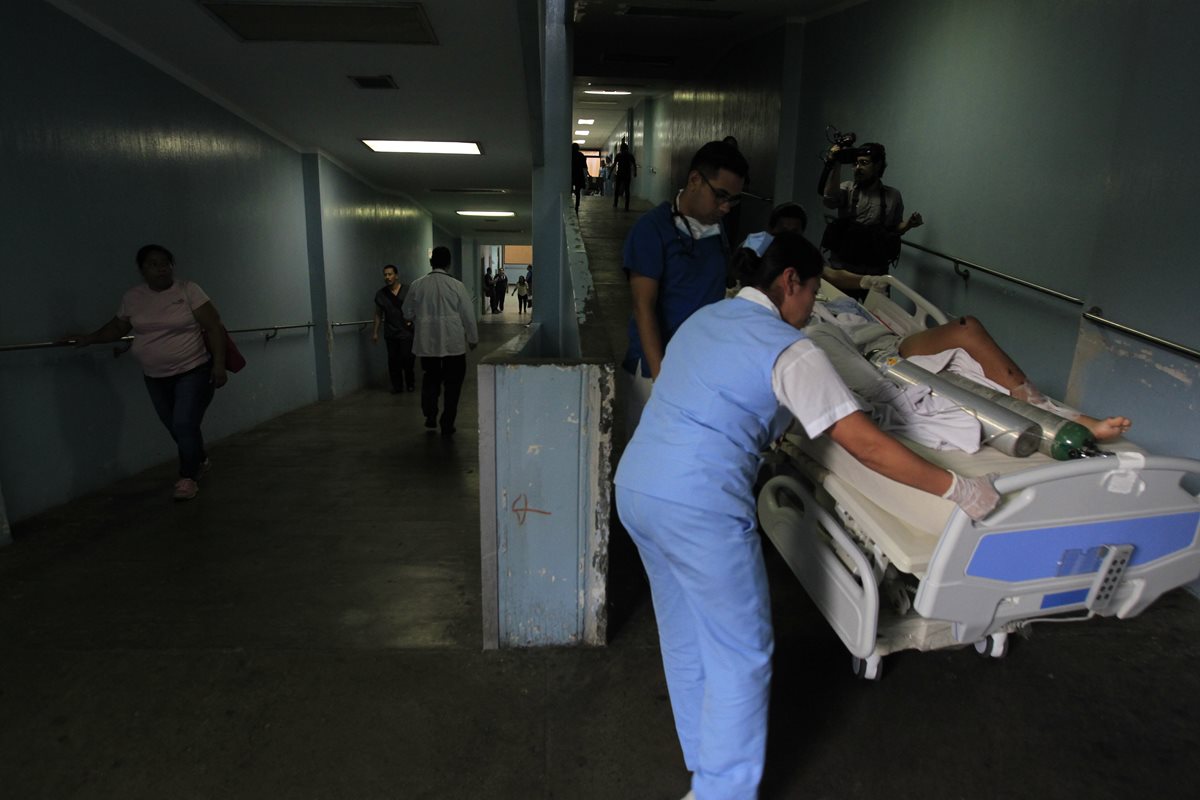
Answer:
(444, 318)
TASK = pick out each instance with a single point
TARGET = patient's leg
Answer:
(1102, 429)
(969, 334)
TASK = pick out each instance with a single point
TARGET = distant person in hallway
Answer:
(625, 170)
(489, 289)
(444, 318)
(521, 290)
(397, 331)
(579, 173)
(607, 174)
(170, 319)
(864, 239)
(734, 377)
(501, 289)
(676, 257)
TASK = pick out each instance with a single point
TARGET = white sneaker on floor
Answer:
(186, 489)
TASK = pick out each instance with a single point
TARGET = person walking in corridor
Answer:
(443, 315)
(625, 170)
(397, 331)
(180, 342)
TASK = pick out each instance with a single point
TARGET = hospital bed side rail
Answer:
(1102, 536)
(805, 534)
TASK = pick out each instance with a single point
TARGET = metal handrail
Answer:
(271, 330)
(347, 324)
(1093, 314)
(959, 263)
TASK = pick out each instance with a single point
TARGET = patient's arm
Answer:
(843, 279)
(882, 453)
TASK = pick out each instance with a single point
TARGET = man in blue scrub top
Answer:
(676, 256)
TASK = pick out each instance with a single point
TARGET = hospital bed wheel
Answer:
(869, 668)
(994, 646)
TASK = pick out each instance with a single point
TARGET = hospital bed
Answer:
(892, 568)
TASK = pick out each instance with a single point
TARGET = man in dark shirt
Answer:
(579, 174)
(625, 169)
(397, 332)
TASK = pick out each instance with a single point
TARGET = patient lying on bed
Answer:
(848, 333)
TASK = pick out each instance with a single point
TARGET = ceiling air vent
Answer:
(374, 81)
(680, 13)
(394, 23)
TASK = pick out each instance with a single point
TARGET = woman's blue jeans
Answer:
(180, 401)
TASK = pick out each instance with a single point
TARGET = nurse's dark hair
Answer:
(145, 250)
(440, 258)
(787, 250)
(787, 211)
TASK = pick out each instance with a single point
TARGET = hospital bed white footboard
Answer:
(1103, 536)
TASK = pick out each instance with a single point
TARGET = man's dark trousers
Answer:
(438, 370)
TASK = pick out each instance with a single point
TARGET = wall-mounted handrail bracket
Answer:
(962, 272)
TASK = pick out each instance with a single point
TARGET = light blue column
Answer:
(551, 178)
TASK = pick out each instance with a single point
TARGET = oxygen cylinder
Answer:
(1004, 429)
(1060, 438)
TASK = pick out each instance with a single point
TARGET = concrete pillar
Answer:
(322, 346)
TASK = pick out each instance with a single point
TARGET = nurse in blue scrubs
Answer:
(733, 378)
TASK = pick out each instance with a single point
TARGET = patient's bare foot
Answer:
(1107, 428)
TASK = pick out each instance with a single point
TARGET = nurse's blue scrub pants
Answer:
(714, 625)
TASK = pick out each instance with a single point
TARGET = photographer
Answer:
(865, 237)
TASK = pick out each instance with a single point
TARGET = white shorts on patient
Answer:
(846, 333)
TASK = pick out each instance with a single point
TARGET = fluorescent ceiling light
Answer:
(582, 133)
(486, 214)
(585, 122)
(605, 91)
(578, 141)
(394, 146)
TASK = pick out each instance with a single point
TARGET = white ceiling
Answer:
(472, 85)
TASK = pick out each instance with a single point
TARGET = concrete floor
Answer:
(309, 628)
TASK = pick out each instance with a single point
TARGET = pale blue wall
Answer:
(743, 100)
(102, 153)
(362, 230)
(1050, 140)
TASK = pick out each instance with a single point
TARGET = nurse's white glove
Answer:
(976, 496)
(879, 282)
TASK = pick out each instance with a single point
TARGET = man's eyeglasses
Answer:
(723, 197)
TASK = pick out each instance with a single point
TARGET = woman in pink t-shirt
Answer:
(167, 318)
